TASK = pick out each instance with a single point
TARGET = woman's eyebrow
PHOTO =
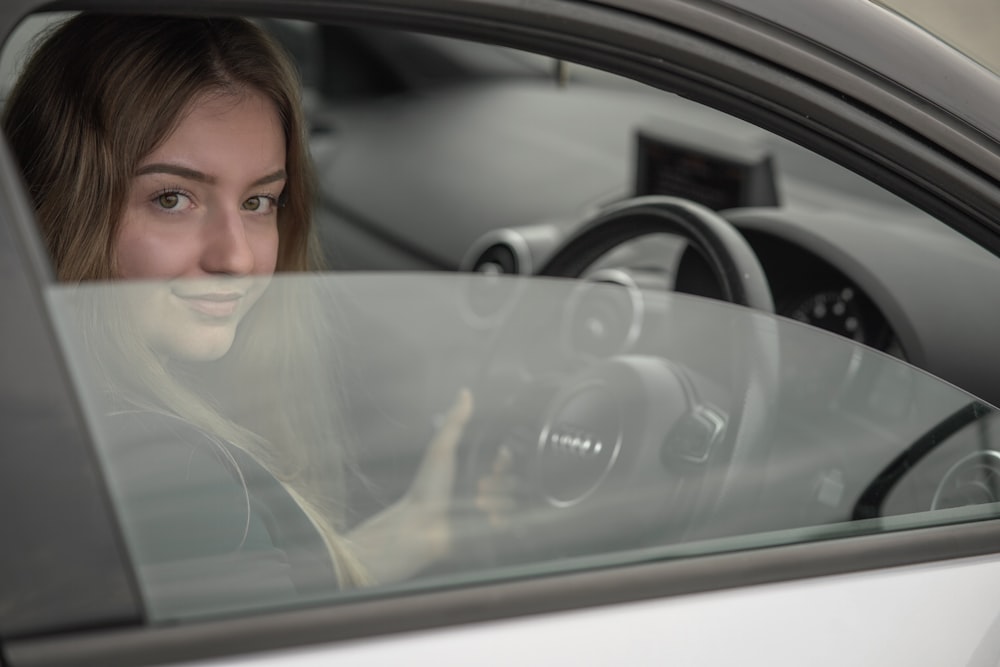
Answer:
(279, 175)
(195, 175)
(175, 170)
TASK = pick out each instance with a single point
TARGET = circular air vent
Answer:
(501, 251)
(974, 480)
(604, 315)
(497, 259)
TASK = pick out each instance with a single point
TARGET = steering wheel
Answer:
(729, 256)
(634, 440)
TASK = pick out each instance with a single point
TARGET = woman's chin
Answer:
(210, 346)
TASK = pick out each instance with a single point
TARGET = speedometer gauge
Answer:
(838, 311)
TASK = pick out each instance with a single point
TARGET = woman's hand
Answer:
(496, 491)
(416, 531)
(430, 494)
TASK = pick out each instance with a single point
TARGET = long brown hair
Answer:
(102, 92)
(99, 94)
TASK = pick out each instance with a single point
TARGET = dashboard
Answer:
(494, 171)
(842, 261)
(805, 288)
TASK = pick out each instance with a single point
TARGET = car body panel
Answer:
(829, 621)
(41, 424)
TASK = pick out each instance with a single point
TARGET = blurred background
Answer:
(969, 25)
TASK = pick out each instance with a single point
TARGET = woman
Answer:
(173, 149)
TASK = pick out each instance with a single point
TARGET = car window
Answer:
(569, 322)
(612, 459)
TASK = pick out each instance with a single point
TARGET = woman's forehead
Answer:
(221, 133)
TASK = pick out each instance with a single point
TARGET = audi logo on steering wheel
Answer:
(574, 441)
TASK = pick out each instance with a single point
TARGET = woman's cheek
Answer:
(147, 249)
(266, 242)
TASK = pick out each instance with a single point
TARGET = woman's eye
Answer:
(171, 201)
(260, 204)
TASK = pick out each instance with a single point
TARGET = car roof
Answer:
(887, 63)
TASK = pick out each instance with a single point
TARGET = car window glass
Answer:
(616, 460)
(628, 415)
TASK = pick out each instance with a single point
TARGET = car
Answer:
(719, 275)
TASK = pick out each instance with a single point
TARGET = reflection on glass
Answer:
(697, 437)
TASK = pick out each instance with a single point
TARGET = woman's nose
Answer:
(226, 246)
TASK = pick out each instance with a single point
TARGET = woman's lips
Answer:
(214, 305)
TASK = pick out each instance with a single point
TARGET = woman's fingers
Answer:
(495, 496)
(503, 461)
(437, 470)
(450, 433)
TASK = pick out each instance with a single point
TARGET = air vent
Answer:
(974, 480)
(604, 314)
(498, 259)
(511, 250)
(496, 256)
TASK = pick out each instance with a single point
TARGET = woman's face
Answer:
(201, 220)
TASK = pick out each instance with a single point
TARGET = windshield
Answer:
(968, 25)
(609, 424)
